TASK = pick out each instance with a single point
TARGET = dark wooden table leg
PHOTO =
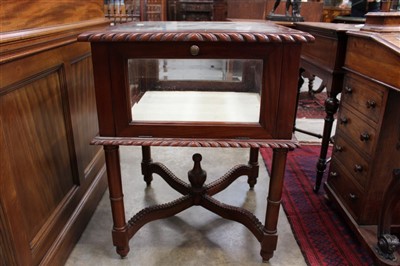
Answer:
(269, 241)
(387, 242)
(146, 161)
(303, 72)
(253, 162)
(119, 232)
(331, 106)
(311, 80)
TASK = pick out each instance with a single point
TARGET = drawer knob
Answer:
(333, 174)
(348, 90)
(338, 148)
(365, 136)
(343, 120)
(358, 168)
(352, 196)
(371, 104)
(194, 50)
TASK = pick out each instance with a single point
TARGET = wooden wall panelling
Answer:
(220, 10)
(28, 14)
(51, 177)
(253, 9)
(35, 130)
(83, 108)
(47, 134)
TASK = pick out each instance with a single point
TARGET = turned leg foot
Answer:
(122, 252)
(268, 246)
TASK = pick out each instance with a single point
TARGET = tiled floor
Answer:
(195, 236)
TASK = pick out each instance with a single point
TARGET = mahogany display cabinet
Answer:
(219, 84)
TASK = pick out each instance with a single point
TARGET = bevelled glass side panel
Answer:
(195, 90)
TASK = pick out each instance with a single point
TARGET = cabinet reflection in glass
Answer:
(196, 90)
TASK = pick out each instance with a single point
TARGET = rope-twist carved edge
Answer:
(151, 209)
(110, 141)
(169, 177)
(196, 37)
(157, 212)
(237, 214)
(228, 178)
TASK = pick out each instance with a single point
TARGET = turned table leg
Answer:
(269, 241)
(146, 161)
(300, 83)
(253, 162)
(331, 106)
(119, 232)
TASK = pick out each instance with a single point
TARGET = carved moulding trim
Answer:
(196, 37)
(215, 143)
(23, 43)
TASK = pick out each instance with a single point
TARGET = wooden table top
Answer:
(338, 27)
(227, 31)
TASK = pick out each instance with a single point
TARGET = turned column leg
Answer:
(270, 239)
(331, 106)
(119, 232)
(253, 162)
(197, 176)
(311, 84)
(146, 161)
(303, 73)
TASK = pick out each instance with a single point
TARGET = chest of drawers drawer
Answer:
(363, 96)
(361, 133)
(357, 165)
(344, 187)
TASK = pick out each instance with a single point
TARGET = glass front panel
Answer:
(195, 90)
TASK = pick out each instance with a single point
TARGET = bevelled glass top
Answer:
(188, 26)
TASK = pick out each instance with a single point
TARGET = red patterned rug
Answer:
(311, 106)
(322, 235)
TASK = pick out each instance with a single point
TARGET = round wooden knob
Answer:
(371, 104)
(365, 136)
(333, 174)
(348, 90)
(338, 148)
(358, 168)
(352, 196)
(194, 50)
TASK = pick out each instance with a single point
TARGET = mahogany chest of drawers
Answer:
(367, 141)
(366, 147)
